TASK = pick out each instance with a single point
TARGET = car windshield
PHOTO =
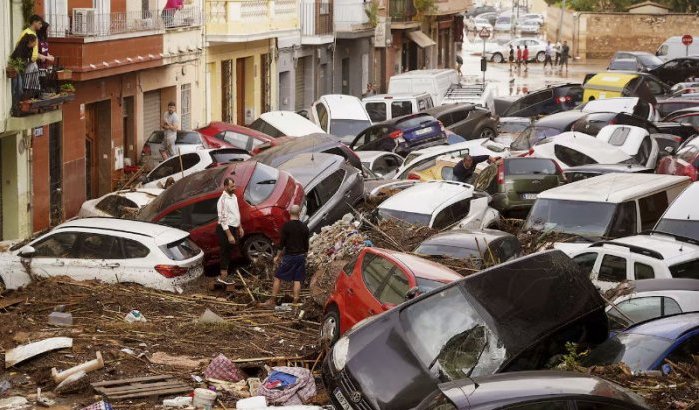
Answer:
(532, 135)
(181, 250)
(680, 227)
(450, 251)
(188, 138)
(588, 219)
(512, 127)
(530, 166)
(261, 185)
(427, 285)
(461, 346)
(410, 217)
(639, 352)
(341, 127)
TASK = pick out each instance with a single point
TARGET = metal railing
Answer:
(243, 17)
(35, 87)
(350, 14)
(316, 17)
(401, 11)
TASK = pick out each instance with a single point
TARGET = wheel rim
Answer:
(327, 332)
(541, 57)
(487, 133)
(497, 58)
(260, 247)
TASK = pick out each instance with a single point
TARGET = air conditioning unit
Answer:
(84, 22)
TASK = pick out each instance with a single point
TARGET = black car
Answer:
(550, 100)
(514, 316)
(669, 106)
(677, 70)
(634, 61)
(546, 127)
(326, 143)
(466, 120)
(541, 390)
(581, 172)
(401, 135)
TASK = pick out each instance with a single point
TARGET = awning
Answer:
(421, 39)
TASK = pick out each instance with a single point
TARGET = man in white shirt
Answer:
(229, 229)
(171, 123)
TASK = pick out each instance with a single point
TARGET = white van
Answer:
(284, 124)
(435, 82)
(340, 115)
(673, 48)
(682, 217)
(383, 107)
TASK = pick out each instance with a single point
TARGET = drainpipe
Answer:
(560, 22)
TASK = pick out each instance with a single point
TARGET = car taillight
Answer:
(528, 153)
(501, 173)
(691, 172)
(414, 176)
(396, 135)
(171, 271)
(565, 99)
(146, 150)
(613, 121)
(677, 139)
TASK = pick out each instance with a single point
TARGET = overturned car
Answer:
(515, 316)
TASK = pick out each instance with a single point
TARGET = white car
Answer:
(635, 141)
(638, 257)
(571, 149)
(180, 166)
(119, 203)
(528, 27)
(682, 216)
(285, 124)
(441, 205)
(186, 141)
(480, 23)
(381, 163)
(629, 105)
(109, 250)
(538, 18)
(503, 23)
(340, 115)
(500, 54)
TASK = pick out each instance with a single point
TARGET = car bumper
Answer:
(341, 389)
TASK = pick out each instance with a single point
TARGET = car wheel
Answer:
(257, 246)
(497, 58)
(487, 132)
(330, 330)
(540, 56)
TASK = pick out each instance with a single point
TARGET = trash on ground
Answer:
(14, 403)
(210, 317)
(178, 402)
(204, 398)
(60, 319)
(238, 389)
(135, 316)
(100, 405)
(222, 368)
(75, 382)
(288, 386)
(27, 351)
(184, 362)
(42, 400)
(149, 386)
(86, 367)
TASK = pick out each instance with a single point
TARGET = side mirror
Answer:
(412, 293)
(27, 251)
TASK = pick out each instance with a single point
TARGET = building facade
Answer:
(353, 56)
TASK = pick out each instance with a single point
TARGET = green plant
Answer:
(16, 64)
(372, 11)
(424, 6)
(571, 360)
(67, 88)
(27, 10)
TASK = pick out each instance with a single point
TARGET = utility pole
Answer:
(560, 22)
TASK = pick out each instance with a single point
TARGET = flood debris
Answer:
(222, 368)
(288, 386)
(86, 367)
(27, 351)
(60, 319)
(181, 361)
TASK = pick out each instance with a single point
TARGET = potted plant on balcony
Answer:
(372, 12)
(422, 7)
(14, 67)
(67, 88)
(25, 106)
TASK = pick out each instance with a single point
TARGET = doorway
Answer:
(98, 138)
(55, 173)
(240, 91)
(227, 91)
(345, 76)
(129, 130)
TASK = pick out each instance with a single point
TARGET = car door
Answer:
(329, 205)
(393, 290)
(463, 123)
(52, 252)
(202, 217)
(362, 301)
(98, 256)
(588, 262)
(376, 111)
(613, 269)
(135, 263)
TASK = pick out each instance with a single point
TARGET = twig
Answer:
(246, 285)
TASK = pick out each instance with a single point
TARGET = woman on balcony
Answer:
(43, 37)
(26, 84)
(169, 11)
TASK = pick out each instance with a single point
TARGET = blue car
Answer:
(401, 135)
(646, 345)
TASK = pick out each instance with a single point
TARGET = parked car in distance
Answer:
(332, 187)
(629, 105)
(536, 17)
(571, 149)
(225, 135)
(401, 135)
(435, 82)
(533, 390)
(509, 128)
(265, 196)
(503, 23)
(682, 218)
(491, 16)
(647, 299)
(461, 330)
(673, 48)
(642, 61)
(186, 141)
(685, 162)
(108, 250)
(374, 281)
(581, 172)
(439, 205)
(550, 100)
(514, 183)
(340, 115)
(182, 165)
(384, 107)
(320, 142)
(481, 248)
(466, 120)
(480, 23)
(119, 204)
(284, 124)
(528, 27)
(647, 345)
(381, 163)
(607, 206)
(500, 53)
(634, 141)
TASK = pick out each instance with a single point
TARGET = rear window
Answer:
(224, 157)
(265, 128)
(261, 185)
(454, 252)
(530, 166)
(571, 157)
(156, 138)
(342, 127)
(415, 122)
(188, 138)
(181, 250)
(688, 270)
(410, 217)
(512, 127)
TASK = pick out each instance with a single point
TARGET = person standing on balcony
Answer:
(35, 24)
(43, 36)
(169, 11)
(171, 123)
(23, 54)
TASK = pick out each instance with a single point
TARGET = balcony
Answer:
(443, 7)
(250, 20)
(402, 14)
(37, 98)
(351, 16)
(316, 22)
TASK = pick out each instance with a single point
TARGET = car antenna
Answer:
(609, 192)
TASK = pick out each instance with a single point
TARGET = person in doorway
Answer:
(565, 54)
(370, 90)
(519, 58)
(228, 229)
(168, 14)
(525, 58)
(511, 57)
(171, 123)
(557, 50)
(291, 256)
(463, 171)
(548, 56)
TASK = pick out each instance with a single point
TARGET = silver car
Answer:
(537, 50)
(187, 141)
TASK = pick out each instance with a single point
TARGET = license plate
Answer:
(529, 196)
(341, 399)
(423, 131)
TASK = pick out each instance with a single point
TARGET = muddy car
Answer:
(515, 316)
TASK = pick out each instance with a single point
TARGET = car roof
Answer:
(141, 196)
(635, 53)
(307, 143)
(464, 238)
(388, 97)
(344, 107)
(688, 110)
(670, 327)
(560, 118)
(285, 120)
(444, 108)
(611, 104)
(591, 146)
(684, 206)
(426, 197)
(423, 268)
(653, 285)
(669, 248)
(396, 120)
(161, 233)
(612, 187)
(611, 78)
(225, 126)
(607, 168)
(307, 167)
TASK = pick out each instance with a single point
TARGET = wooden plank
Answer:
(126, 381)
(5, 303)
(137, 387)
(173, 390)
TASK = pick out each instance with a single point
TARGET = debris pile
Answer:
(339, 241)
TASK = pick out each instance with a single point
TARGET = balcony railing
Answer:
(401, 11)
(92, 23)
(351, 15)
(38, 91)
(316, 17)
(251, 17)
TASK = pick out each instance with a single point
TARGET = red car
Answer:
(224, 135)
(685, 162)
(265, 196)
(375, 281)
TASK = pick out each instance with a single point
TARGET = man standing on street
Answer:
(171, 123)
(565, 51)
(557, 49)
(519, 58)
(292, 252)
(229, 229)
(463, 171)
(548, 56)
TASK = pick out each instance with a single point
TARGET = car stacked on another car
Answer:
(186, 141)
(340, 115)
(182, 165)
(320, 142)
(571, 149)
(226, 135)
(119, 204)
(685, 162)
(466, 120)
(401, 135)
(482, 248)
(549, 100)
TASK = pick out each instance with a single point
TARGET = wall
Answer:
(16, 180)
(317, 82)
(40, 182)
(352, 49)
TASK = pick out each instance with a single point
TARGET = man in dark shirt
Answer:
(463, 171)
(292, 252)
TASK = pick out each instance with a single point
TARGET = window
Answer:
(385, 165)
(227, 155)
(376, 111)
(59, 245)
(688, 269)
(133, 249)
(181, 250)
(322, 116)
(452, 214)
(624, 220)
(115, 205)
(97, 246)
(540, 405)
(652, 208)
(204, 212)
(461, 115)
(324, 7)
(238, 140)
(683, 353)
(572, 157)
(375, 271)
(400, 108)
(186, 106)
(395, 289)
(424, 103)
(261, 184)
(188, 138)
(349, 266)
(172, 166)
(613, 269)
(330, 185)
(530, 166)
(446, 119)
(644, 151)
(655, 87)
(619, 135)
(586, 261)
(179, 218)
(642, 271)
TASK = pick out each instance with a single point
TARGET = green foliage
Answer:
(424, 6)
(27, 10)
(571, 360)
(372, 11)
(67, 88)
(16, 64)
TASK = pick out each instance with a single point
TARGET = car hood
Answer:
(522, 302)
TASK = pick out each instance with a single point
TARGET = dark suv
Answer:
(549, 100)
(401, 135)
(466, 120)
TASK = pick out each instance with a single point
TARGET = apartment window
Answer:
(324, 7)
(186, 109)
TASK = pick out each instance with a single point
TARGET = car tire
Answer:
(257, 245)
(330, 328)
(486, 132)
(540, 56)
(497, 58)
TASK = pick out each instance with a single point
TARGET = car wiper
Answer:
(267, 182)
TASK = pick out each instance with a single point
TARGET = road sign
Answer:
(687, 39)
(484, 33)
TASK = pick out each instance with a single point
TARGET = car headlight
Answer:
(340, 351)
